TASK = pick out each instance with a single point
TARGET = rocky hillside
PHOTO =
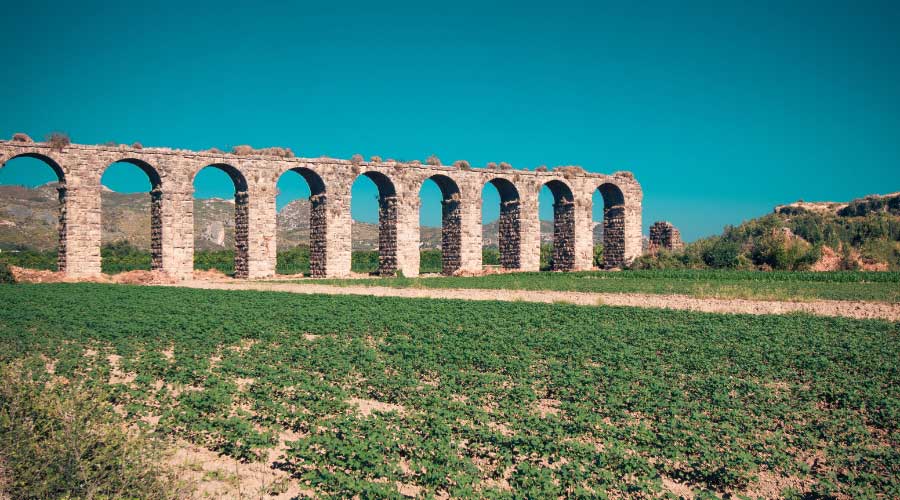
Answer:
(28, 218)
(820, 236)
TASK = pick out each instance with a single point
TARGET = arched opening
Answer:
(131, 221)
(33, 215)
(450, 243)
(613, 213)
(301, 223)
(500, 220)
(216, 188)
(374, 201)
(562, 235)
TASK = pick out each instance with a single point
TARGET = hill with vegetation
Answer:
(863, 234)
(29, 217)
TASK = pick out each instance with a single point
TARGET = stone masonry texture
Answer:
(663, 235)
(80, 167)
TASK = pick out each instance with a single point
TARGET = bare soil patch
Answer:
(838, 308)
(24, 275)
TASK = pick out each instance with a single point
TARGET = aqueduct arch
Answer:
(387, 222)
(318, 220)
(613, 225)
(451, 223)
(156, 224)
(79, 168)
(61, 193)
(241, 217)
(509, 227)
(563, 257)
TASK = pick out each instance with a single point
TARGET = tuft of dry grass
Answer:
(21, 137)
(505, 166)
(569, 170)
(462, 165)
(375, 159)
(215, 151)
(58, 140)
(245, 150)
(541, 168)
(433, 160)
(491, 166)
(137, 145)
(415, 163)
(357, 159)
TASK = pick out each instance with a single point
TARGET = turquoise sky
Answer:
(721, 109)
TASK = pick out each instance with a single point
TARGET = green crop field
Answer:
(485, 399)
(769, 285)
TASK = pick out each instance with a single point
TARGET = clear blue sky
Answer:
(721, 109)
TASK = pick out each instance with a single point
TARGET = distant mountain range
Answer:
(28, 217)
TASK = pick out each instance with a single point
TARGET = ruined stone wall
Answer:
(241, 234)
(318, 234)
(387, 235)
(529, 224)
(451, 230)
(613, 237)
(61, 228)
(156, 258)
(81, 166)
(663, 235)
(510, 235)
(621, 209)
(470, 238)
(563, 257)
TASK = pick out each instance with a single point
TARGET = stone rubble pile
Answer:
(663, 235)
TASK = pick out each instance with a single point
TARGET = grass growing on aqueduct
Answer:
(489, 399)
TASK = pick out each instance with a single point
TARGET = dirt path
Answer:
(848, 309)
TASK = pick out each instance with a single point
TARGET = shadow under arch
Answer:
(156, 199)
(451, 223)
(563, 256)
(613, 225)
(387, 222)
(62, 226)
(241, 217)
(509, 225)
(318, 220)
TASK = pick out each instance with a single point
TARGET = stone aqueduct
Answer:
(171, 173)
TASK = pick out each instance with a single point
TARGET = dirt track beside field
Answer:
(847, 309)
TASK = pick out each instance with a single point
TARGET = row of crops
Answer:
(483, 399)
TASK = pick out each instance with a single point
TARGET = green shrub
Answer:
(222, 260)
(6, 276)
(122, 256)
(63, 440)
(490, 256)
(364, 261)
(779, 253)
(30, 259)
(598, 256)
(722, 254)
(546, 253)
(293, 261)
(430, 261)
